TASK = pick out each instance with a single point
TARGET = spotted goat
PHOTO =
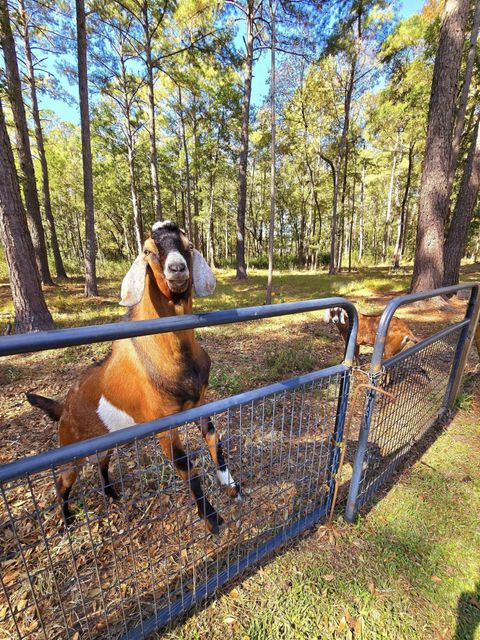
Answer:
(148, 377)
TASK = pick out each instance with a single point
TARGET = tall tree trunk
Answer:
(342, 164)
(463, 212)
(187, 166)
(136, 207)
(462, 106)
(157, 202)
(23, 145)
(59, 268)
(273, 124)
(130, 139)
(387, 232)
(31, 311)
(434, 189)
(350, 235)
(196, 201)
(361, 214)
(241, 266)
(90, 266)
(401, 223)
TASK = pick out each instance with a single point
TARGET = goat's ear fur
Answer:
(133, 283)
(327, 316)
(202, 275)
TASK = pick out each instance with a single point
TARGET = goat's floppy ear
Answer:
(202, 276)
(327, 316)
(133, 283)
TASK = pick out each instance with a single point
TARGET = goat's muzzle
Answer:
(176, 272)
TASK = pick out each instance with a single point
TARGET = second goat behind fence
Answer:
(399, 333)
(148, 377)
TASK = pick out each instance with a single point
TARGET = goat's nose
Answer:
(177, 267)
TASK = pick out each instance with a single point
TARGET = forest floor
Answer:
(408, 569)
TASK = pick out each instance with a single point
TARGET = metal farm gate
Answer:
(126, 569)
(424, 380)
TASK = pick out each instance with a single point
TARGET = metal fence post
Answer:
(463, 349)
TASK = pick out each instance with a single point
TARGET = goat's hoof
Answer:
(214, 522)
(110, 492)
(233, 491)
(68, 521)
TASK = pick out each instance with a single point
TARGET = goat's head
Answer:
(174, 264)
(336, 315)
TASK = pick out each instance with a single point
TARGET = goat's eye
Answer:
(146, 252)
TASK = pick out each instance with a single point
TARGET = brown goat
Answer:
(399, 333)
(148, 377)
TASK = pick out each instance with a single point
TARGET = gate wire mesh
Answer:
(123, 562)
(419, 382)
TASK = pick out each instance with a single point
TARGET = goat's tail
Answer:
(51, 407)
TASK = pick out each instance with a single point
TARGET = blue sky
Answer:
(70, 112)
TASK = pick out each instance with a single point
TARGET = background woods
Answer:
(374, 110)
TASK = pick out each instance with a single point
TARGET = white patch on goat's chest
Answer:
(112, 417)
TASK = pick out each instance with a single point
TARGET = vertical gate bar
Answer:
(351, 509)
(342, 404)
(337, 436)
(463, 348)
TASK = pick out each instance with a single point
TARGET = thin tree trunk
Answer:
(157, 202)
(361, 220)
(401, 223)
(434, 189)
(130, 138)
(23, 145)
(273, 124)
(241, 266)
(187, 166)
(196, 202)
(462, 106)
(387, 232)
(90, 258)
(350, 236)
(31, 311)
(463, 212)
(59, 268)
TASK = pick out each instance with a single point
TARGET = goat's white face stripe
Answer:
(160, 225)
(175, 256)
(112, 417)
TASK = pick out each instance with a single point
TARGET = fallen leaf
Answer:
(233, 594)
(342, 626)
(229, 620)
(350, 619)
(76, 636)
(371, 588)
(358, 627)
(328, 577)
(436, 579)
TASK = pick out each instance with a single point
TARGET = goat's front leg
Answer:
(214, 444)
(173, 449)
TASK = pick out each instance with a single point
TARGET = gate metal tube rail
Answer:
(10, 345)
(468, 326)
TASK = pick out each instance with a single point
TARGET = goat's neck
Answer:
(155, 305)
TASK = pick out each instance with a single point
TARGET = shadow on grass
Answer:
(468, 614)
